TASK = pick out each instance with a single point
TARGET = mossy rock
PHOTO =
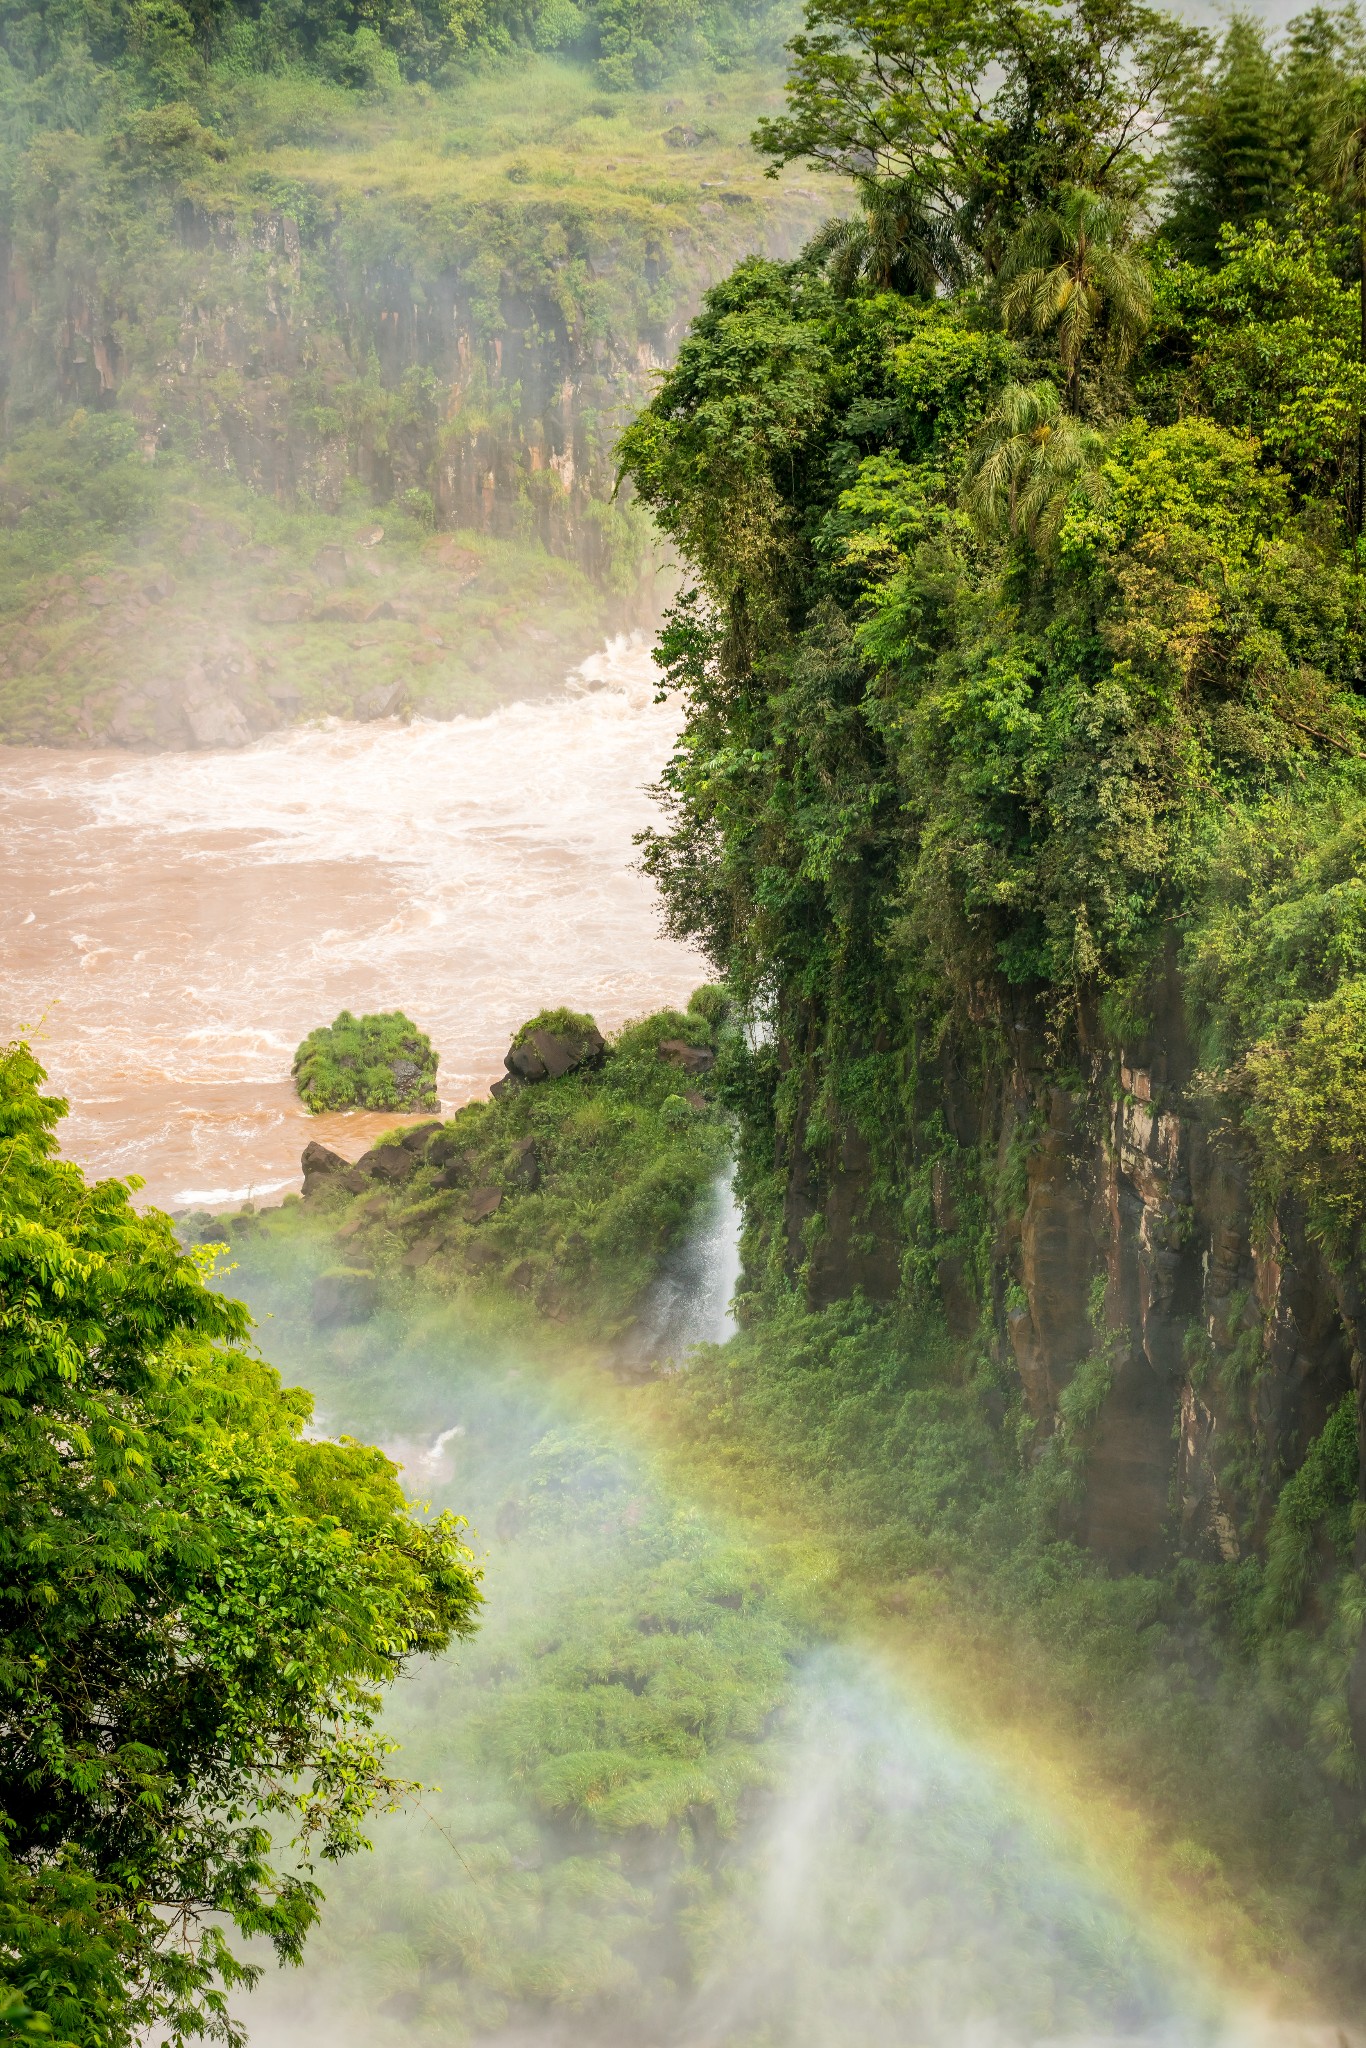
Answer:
(555, 1043)
(379, 1062)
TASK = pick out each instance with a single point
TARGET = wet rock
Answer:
(213, 718)
(393, 1163)
(346, 1295)
(442, 1147)
(525, 1169)
(500, 1090)
(482, 1204)
(219, 723)
(329, 566)
(682, 136)
(321, 1167)
(159, 587)
(552, 1054)
(417, 1136)
(689, 1059)
(481, 1257)
(369, 536)
(384, 701)
(417, 1255)
(342, 610)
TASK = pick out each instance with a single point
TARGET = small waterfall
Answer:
(690, 1302)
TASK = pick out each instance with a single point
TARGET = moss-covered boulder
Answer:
(379, 1062)
(553, 1044)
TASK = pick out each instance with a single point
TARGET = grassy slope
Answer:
(529, 174)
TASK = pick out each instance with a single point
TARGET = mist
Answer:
(658, 1807)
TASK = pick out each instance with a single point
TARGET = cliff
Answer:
(1102, 1241)
(427, 313)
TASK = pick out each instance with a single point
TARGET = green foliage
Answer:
(599, 1174)
(379, 1062)
(981, 111)
(1315, 1501)
(1236, 159)
(65, 490)
(567, 1023)
(166, 51)
(1268, 344)
(200, 1607)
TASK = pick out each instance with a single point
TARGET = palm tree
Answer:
(1029, 454)
(1071, 272)
(894, 243)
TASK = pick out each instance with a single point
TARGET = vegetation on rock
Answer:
(379, 1062)
(560, 1198)
(1017, 796)
(201, 1607)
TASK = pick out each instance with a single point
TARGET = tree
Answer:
(1070, 272)
(1343, 148)
(1029, 453)
(984, 108)
(894, 244)
(199, 1609)
(1236, 158)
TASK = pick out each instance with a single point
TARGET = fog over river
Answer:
(172, 925)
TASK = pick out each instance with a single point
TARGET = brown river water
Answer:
(171, 925)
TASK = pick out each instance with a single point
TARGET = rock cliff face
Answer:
(1124, 1245)
(303, 359)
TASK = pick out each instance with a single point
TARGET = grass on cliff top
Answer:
(521, 132)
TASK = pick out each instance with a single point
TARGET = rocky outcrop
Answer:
(1213, 1340)
(550, 1054)
(348, 1294)
(689, 1059)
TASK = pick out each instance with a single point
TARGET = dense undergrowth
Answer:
(380, 1062)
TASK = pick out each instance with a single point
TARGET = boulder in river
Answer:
(348, 1294)
(215, 721)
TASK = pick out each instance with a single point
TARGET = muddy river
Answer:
(171, 925)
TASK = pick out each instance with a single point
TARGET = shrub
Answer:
(379, 1062)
